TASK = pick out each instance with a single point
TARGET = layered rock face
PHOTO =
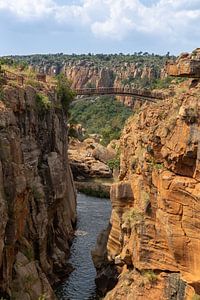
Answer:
(37, 197)
(187, 65)
(154, 238)
(90, 74)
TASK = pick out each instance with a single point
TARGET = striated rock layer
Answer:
(187, 65)
(37, 197)
(154, 239)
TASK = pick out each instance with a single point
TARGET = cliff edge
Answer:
(37, 196)
(153, 242)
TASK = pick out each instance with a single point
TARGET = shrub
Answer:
(99, 193)
(158, 166)
(132, 216)
(42, 101)
(150, 275)
(114, 163)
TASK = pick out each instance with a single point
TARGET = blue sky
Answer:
(99, 26)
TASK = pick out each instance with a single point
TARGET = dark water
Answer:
(93, 216)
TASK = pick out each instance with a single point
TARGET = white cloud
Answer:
(27, 9)
(115, 19)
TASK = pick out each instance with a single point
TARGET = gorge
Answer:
(150, 248)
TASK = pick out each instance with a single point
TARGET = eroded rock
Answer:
(154, 235)
(37, 196)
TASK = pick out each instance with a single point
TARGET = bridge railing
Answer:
(120, 91)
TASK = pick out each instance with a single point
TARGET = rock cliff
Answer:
(187, 65)
(37, 197)
(154, 238)
(138, 70)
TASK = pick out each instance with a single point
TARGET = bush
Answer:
(42, 297)
(150, 275)
(94, 193)
(42, 101)
(114, 163)
(64, 92)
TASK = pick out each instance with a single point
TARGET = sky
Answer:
(99, 26)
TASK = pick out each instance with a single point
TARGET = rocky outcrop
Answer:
(88, 159)
(187, 65)
(37, 197)
(154, 237)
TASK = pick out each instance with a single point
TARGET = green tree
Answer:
(64, 92)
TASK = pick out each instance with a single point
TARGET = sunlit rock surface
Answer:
(154, 238)
(37, 197)
(187, 65)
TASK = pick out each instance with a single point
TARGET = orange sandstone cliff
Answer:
(151, 248)
(37, 198)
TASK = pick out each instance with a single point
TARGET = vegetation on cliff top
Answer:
(100, 59)
(104, 116)
(139, 61)
(64, 92)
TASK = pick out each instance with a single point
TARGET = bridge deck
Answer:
(140, 94)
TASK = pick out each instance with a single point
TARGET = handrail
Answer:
(120, 91)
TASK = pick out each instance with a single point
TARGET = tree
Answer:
(64, 92)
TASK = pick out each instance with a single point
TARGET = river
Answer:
(93, 216)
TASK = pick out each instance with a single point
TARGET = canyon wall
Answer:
(37, 196)
(89, 71)
(152, 245)
(121, 76)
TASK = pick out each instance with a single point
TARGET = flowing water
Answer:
(93, 216)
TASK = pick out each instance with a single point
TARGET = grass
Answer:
(29, 253)
(145, 198)
(196, 297)
(42, 297)
(132, 216)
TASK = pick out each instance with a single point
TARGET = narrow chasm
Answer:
(93, 216)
